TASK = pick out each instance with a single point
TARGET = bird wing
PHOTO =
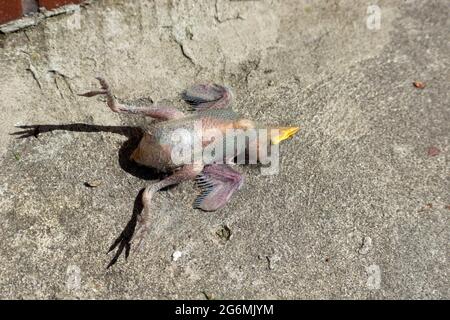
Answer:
(208, 96)
(217, 182)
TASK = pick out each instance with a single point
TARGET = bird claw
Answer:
(104, 89)
(103, 83)
(131, 236)
(139, 237)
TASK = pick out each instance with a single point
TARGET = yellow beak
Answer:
(280, 134)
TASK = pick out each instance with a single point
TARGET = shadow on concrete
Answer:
(134, 135)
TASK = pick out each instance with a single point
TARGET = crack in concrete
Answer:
(219, 20)
(33, 72)
(183, 52)
(57, 87)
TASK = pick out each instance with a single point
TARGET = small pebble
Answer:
(93, 184)
(224, 233)
(419, 84)
(272, 261)
(176, 255)
(433, 151)
(366, 245)
(208, 295)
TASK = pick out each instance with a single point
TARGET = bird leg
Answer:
(157, 112)
(188, 172)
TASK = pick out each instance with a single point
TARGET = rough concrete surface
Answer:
(360, 208)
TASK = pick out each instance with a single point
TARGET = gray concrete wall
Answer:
(359, 209)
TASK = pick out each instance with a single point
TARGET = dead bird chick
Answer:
(159, 147)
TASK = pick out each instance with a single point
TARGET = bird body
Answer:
(162, 138)
(196, 146)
